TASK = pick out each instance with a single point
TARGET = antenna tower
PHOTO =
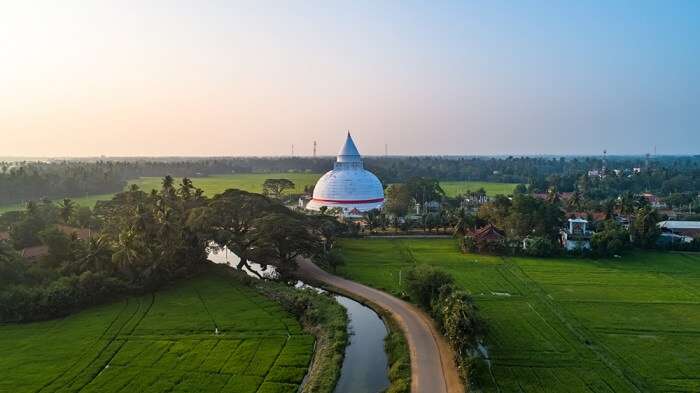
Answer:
(314, 149)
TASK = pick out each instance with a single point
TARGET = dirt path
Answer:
(433, 369)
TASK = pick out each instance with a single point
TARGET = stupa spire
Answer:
(349, 151)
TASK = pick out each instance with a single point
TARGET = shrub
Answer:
(453, 310)
(423, 283)
(540, 246)
(611, 239)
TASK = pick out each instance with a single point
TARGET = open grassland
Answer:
(454, 188)
(564, 325)
(252, 182)
(211, 185)
(216, 184)
(162, 343)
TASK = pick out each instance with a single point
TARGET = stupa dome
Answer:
(348, 186)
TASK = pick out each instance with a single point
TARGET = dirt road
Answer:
(433, 369)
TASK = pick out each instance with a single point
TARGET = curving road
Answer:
(433, 369)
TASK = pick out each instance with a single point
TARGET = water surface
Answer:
(365, 367)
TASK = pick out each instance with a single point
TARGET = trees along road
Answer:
(433, 369)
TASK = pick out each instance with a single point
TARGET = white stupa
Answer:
(348, 186)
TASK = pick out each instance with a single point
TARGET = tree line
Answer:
(24, 180)
(143, 240)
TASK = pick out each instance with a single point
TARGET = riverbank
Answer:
(319, 315)
(432, 362)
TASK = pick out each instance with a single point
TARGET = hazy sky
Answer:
(233, 78)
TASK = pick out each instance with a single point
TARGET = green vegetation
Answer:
(398, 355)
(564, 325)
(87, 201)
(251, 182)
(162, 342)
(454, 188)
(453, 310)
(211, 185)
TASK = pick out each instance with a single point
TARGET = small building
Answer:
(34, 252)
(687, 229)
(654, 201)
(78, 233)
(576, 235)
(593, 215)
(487, 233)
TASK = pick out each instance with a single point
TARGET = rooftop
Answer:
(679, 224)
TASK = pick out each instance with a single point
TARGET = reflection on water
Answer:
(365, 365)
(227, 257)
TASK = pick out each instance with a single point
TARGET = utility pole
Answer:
(386, 150)
(292, 150)
(314, 149)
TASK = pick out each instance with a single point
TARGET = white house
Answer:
(576, 235)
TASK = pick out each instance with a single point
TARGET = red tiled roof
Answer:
(4, 235)
(35, 252)
(488, 232)
(81, 233)
(595, 216)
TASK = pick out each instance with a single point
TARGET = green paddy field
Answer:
(211, 185)
(164, 342)
(253, 182)
(564, 325)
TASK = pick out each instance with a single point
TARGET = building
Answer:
(487, 239)
(348, 186)
(576, 236)
(654, 201)
(686, 229)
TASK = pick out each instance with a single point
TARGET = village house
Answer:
(576, 235)
(679, 231)
(654, 201)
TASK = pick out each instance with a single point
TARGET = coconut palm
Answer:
(553, 195)
(576, 200)
(66, 209)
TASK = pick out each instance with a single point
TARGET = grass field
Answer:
(162, 343)
(253, 182)
(565, 325)
(211, 185)
(454, 188)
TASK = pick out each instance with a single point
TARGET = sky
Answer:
(232, 78)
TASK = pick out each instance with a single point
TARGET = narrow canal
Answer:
(365, 366)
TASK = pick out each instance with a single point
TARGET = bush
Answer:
(24, 303)
(611, 239)
(541, 247)
(423, 283)
(453, 310)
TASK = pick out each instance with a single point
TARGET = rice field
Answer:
(211, 185)
(564, 325)
(252, 182)
(454, 188)
(164, 342)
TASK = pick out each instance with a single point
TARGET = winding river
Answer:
(365, 365)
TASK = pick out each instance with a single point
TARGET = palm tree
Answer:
(626, 204)
(609, 208)
(576, 200)
(553, 195)
(127, 252)
(464, 222)
(66, 209)
(168, 182)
